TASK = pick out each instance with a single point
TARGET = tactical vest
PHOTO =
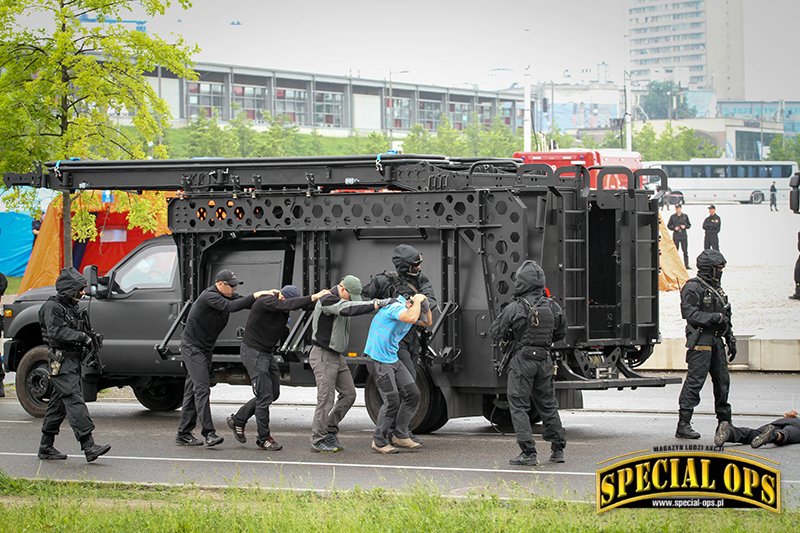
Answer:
(73, 321)
(540, 324)
(714, 300)
(399, 287)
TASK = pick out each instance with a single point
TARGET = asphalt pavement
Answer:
(466, 455)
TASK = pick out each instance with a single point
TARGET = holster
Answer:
(692, 336)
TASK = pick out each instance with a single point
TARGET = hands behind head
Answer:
(321, 294)
(273, 292)
(790, 414)
(418, 298)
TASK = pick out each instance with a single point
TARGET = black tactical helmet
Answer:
(710, 259)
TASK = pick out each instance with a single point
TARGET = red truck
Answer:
(607, 157)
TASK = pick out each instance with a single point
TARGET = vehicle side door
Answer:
(143, 299)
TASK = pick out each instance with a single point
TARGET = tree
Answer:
(418, 141)
(207, 139)
(784, 148)
(664, 100)
(376, 143)
(59, 85)
(499, 141)
(448, 140)
(682, 145)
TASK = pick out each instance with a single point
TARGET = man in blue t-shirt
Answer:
(396, 385)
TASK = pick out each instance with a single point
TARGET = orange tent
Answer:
(113, 242)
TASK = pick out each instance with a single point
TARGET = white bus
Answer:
(725, 180)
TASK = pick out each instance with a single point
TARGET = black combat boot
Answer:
(92, 450)
(526, 458)
(556, 454)
(796, 295)
(46, 450)
(685, 430)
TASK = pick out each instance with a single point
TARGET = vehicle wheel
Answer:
(431, 413)
(756, 197)
(497, 413)
(676, 198)
(160, 395)
(33, 381)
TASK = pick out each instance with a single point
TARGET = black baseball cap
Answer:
(712, 206)
(228, 277)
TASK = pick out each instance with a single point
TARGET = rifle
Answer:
(506, 347)
(91, 364)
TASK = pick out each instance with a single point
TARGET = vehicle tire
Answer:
(756, 197)
(497, 413)
(431, 413)
(160, 395)
(33, 381)
(676, 198)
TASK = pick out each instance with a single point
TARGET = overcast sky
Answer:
(459, 42)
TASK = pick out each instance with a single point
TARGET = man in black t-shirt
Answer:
(265, 329)
(206, 320)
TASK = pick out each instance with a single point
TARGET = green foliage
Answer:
(785, 148)
(448, 140)
(61, 82)
(680, 145)
(499, 141)
(376, 143)
(418, 141)
(562, 140)
(665, 100)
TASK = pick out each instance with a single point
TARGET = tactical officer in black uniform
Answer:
(679, 223)
(712, 226)
(406, 281)
(705, 307)
(533, 322)
(66, 330)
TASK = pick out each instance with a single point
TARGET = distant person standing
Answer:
(712, 226)
(796, 295)
(36, 226)
(773, 197)
(679, 223)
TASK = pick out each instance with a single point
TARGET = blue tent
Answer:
(16, 243)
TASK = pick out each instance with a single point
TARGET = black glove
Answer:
(99, 337)
(731, 351)
(86, 340)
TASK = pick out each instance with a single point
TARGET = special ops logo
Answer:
(689, 479)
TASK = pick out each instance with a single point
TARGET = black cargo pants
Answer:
(530, 379)
(265, 377)
(196, 391)
(704, 360)
(408, 352)
(682, 241)
(711, 242)
(66, 401)
(791, 434)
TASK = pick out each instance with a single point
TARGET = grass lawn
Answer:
(69, 506)
(13, 284)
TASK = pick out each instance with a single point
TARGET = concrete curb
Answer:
(760, 355)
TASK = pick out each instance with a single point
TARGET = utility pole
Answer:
(526, 122)
(627, 119)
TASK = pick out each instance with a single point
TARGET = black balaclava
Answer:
(407, 260)
(709, 265)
